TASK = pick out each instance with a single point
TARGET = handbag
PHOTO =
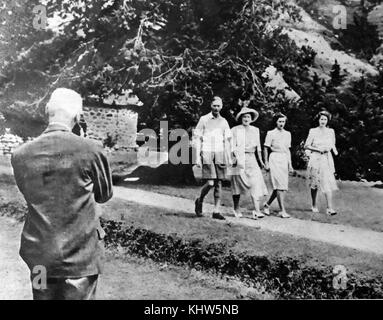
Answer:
(197, 172)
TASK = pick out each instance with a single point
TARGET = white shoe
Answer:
(237, 214)
(266, 209)
(257, 214)
(283, 215)
(331, 212)
(314, 210)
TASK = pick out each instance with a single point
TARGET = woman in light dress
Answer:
(320, 172)
(278, 142)
(248, 176)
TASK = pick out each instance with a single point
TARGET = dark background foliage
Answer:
(176, 55)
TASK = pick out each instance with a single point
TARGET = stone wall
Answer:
(8, 142)
(120, 123)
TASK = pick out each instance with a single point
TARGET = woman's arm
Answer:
(290, 165)
(258, 147)
(334, 149)
(259, 153)
(291, 169)
(198, 134)
(266, 156)
(234, 145)
(309, 142)
(267, 145)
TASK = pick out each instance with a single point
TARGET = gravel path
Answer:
(341, 235)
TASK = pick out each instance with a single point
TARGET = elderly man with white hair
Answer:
(62, 177)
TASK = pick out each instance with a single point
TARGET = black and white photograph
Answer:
(215, 151)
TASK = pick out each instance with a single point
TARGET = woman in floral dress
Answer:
(320, 172)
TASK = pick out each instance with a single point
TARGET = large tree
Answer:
(174, 54)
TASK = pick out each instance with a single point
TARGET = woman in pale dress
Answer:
(278, 142)
(248, 177)
(320, 172)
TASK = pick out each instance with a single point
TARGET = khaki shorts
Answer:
(213, 165)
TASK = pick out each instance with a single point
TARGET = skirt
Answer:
(320, 174)
(279, 170)
(250, 179)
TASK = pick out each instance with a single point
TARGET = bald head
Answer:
(64, 105)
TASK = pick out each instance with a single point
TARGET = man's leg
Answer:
(217, 200)
(199, 201)
(205, 189)
(217, 195)
(208, 173)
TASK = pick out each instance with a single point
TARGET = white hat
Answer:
(245, 110)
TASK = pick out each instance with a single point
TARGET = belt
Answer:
(320, 152)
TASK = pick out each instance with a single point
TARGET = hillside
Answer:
(364, 31)
(316, 31)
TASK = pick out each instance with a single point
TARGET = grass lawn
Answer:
(357, 205)
(240, 239)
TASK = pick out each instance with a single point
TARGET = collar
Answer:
(212, 117)
(57, 126)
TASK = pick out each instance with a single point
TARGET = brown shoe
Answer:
(198, 207)
(217, 215)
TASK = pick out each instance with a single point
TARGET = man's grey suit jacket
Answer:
(62, 176)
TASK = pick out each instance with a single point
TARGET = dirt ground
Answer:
(124, 277)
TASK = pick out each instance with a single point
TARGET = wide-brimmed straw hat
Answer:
(245, 110)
